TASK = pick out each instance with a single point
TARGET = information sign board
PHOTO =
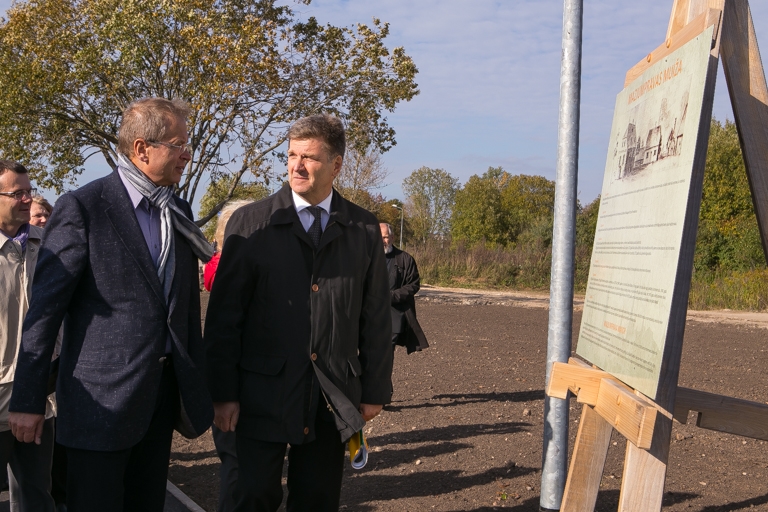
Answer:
(648, 177)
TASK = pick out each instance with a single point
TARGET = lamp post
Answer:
(402, 212)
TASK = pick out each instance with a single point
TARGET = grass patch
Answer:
(527, 267)
(741, 290)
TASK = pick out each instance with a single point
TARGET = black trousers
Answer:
(226, 447)
(29, 477)
(130, 480)
(59, 474)
(314, 472)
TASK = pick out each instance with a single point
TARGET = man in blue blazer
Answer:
(119, 268)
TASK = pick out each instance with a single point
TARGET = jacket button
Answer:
(162, 360)
(306, 430)
(315, 287)
(314, 356)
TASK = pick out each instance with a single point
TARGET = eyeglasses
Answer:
(178, 147)
(20, 195)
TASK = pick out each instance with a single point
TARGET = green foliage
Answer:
(481, 266)
(217, 194)
(746, 290)
(430, 195)
(248, 69)
(477, 213)
(497, 208)
(728, 238)
(525, 200)
(586, 224)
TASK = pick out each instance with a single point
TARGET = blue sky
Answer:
(489, 74)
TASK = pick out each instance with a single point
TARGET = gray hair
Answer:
(326, 127)
(148, 119)
(10, 165)
(389, 227)
(226, 213)
(38, 199)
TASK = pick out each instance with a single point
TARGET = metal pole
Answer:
(555, 450)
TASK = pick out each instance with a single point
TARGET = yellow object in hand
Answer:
(358, 450)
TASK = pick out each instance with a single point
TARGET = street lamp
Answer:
(402, 212)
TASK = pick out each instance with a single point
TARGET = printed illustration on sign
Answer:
(654, 132)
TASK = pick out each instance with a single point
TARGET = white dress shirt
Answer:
(306, 217)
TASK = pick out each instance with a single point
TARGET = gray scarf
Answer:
(171, 217)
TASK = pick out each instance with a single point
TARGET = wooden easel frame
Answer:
(609, 403)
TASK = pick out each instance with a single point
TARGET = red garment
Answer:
(210, 271)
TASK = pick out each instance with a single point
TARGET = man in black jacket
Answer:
(404, 282)
(298, 329)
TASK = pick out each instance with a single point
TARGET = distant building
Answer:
(652, 149)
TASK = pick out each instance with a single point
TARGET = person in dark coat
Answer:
(119, 261)
(404, 282)
(298, 329)
(225, 444)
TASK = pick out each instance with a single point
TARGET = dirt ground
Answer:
(464, 431)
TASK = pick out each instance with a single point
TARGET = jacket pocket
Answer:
(261, 386)
(354, 366)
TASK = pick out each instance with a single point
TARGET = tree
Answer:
(728, 236)
(429, 202)
(586, 224)
(217, 193)
(361, 173)
(527, 200)
(477, 214)
(498, 207)
(247, 69)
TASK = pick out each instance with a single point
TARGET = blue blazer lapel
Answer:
(121, 214)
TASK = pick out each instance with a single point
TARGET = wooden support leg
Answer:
(749, 97)
(587, 462)
(642, 486)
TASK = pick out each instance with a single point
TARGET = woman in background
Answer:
(210, 268)
(224, 441)
(39, 211)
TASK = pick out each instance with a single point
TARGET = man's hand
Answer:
(26, 427)
(370, 411)
(225, 415)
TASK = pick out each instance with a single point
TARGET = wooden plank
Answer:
(673, 43)
(642, 483)
(587, 462)
(579, 380)
(724, 414)
(679, 18)
(626, 412)
(749, 97)
(578, 362)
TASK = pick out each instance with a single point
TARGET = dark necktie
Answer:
(316, 229)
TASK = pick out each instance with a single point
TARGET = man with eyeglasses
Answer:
(19, 248)
(120, 261)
